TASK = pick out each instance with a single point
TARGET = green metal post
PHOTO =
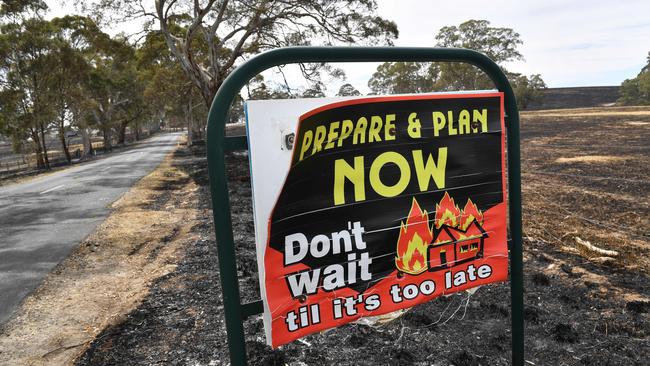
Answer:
(217, 144)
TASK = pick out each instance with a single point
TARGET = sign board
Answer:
(382, 204)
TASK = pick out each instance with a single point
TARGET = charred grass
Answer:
(579, 310)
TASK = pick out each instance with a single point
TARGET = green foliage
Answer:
(262, 91)
(314, 91)
(636, 91)
(401, 78)
(500, 44)
(26, 59)
(347, 90)
(527, 89)
(11, 8)
(208, 38)
(66, 73)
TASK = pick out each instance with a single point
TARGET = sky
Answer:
(568, 42)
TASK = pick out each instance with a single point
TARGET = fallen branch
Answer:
(586, 244)
(64, 348)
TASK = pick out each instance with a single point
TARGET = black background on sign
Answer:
(306, 202)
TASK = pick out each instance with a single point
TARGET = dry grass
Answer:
(591, 159)
(588, 178)
(590, 112)
(108, 275)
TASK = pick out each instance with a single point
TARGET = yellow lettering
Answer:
(343, 171)
(319, 139)
(389, 128)
(333, 135)
(438, 123)
(481, 117)
(360, 131)
(346, 129)
(452, 130)
(375, 127)
(306, 142)
(414, 126)
(463, 122)
(430, 170)
(404, 177)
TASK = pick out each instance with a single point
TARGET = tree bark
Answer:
(107, 139)
(190, 123)
(87, 142)
(64, 145)
(40, 164)
(46, 159)
(122, 134)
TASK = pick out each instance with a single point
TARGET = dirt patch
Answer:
(109, 274)
(591, 159)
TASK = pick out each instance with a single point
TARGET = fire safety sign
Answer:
(383, 203)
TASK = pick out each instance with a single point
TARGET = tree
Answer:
(636, 91)
(18, 8)
(500, 44)
(527, 89)
(209, 37)
(347, 90)
(401, 78)
(259, 90)
(73, 35)
(112, 87)
(26, 59)
(316, 90)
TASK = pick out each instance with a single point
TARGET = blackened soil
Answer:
(571, 317)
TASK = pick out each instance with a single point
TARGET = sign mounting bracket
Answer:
(218, 144)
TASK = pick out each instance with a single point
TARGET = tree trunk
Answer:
(122, 134)
(107, 139)
(87, 142)
(64, 145)
(190, 123)
(46, 159)
(137, 132)
(40, 164)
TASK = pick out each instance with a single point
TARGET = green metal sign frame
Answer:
(218, 144)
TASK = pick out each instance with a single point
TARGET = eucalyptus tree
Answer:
(26, 58)
(500, 44)
(348, 90)
(111, 85)
(168, 93)
(209, 37)
(69, 69)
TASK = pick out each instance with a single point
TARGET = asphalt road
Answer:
(43, 219)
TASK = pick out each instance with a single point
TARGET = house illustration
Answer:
(453, 237)
(452, 246)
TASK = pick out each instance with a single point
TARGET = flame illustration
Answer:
(447, 213)
(470, 213)
(414, 238)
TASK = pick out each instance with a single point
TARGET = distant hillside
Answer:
(578, 97)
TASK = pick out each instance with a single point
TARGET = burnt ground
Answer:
(580, 309)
